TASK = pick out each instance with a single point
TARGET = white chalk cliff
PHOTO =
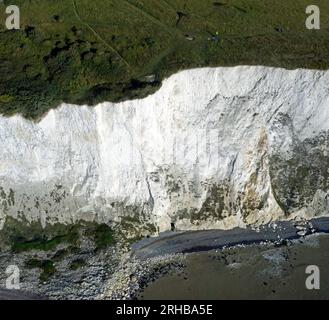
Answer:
(212, 148)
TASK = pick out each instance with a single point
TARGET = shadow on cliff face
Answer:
(302, 181)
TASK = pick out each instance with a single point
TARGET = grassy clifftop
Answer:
(84, 52)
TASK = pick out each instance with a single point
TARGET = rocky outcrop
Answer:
(219, 147)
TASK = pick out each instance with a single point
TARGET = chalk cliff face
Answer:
(212, 148)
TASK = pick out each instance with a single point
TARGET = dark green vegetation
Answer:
(43, 248)
(23, 236)
(133, 228)
(20, 236)
(47, 267)
(83, 51)
(77, 264)
(102, 234)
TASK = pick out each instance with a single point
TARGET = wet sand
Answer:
(248, 272)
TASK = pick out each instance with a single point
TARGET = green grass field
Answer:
(85, 52)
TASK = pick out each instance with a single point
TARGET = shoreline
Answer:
(152, 258)
(261, 271)
(198, 241)
(157, 257)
